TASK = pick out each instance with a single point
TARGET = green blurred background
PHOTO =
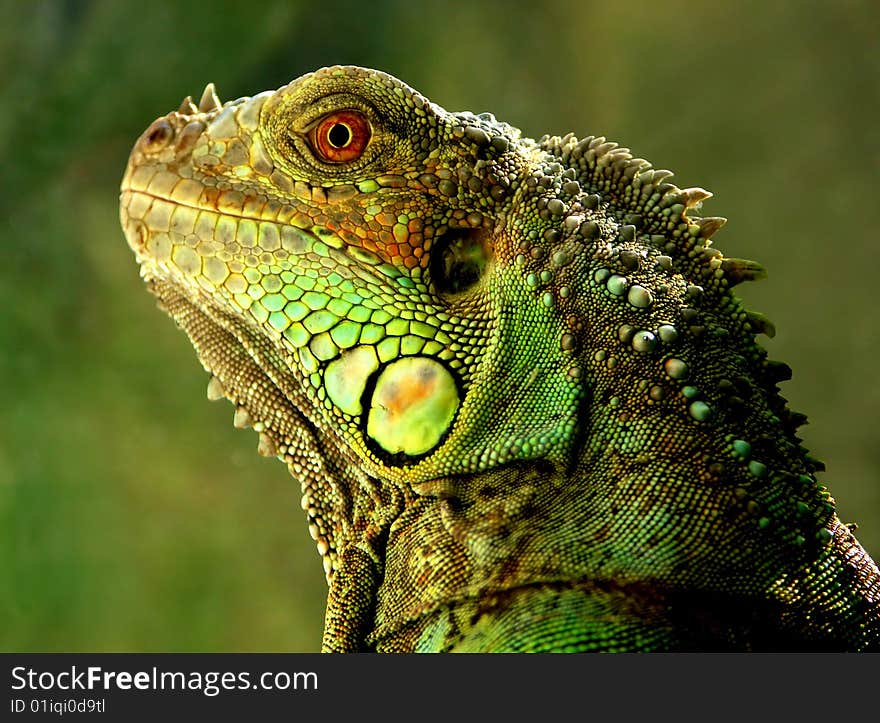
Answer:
(132, 515)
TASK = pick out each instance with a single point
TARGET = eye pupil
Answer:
(339, 135)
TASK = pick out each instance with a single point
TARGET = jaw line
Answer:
(197, 207)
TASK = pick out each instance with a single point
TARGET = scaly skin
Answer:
(525, 408)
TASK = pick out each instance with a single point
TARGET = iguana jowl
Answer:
(525, 408)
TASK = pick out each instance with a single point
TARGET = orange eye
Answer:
(341, 137)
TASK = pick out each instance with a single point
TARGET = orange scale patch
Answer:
(398, 397)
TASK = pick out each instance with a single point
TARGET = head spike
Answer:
(738, 270)
(692, 197)
(215, 389)
(797, 419)
(241, 418)
(209, 100)
(777, 371)
(761, 324)
(187, 107)
(709, 225)
(266, 446)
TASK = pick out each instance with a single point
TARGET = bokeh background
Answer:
(132, 515)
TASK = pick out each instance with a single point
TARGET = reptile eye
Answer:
(341, 137)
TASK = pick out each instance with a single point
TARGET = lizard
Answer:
(526, 408)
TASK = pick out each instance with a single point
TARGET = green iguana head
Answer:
(395, 295)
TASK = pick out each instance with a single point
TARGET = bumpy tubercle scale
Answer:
(510, 375)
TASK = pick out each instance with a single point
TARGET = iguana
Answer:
(526, 410)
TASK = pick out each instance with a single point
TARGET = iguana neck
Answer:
(680, 461)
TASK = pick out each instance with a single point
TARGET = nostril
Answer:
(158, 136)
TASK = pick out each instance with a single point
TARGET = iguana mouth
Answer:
(194, 205)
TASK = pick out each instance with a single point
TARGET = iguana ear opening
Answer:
(459, 260)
